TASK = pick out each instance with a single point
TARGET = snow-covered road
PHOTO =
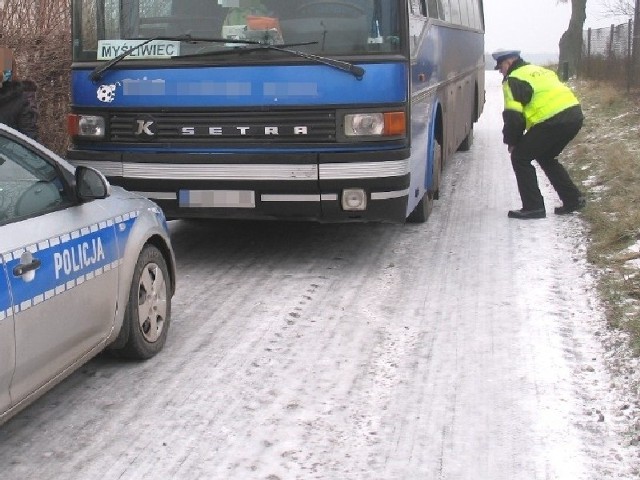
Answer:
(464, 348)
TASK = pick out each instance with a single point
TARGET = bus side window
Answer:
(455, 11)
(432, 9)
(464, 16)
(480, 10)
(445, 13)
(413, 7)
(474, 15)
(423, 8)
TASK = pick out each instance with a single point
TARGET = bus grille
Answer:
(223, 127)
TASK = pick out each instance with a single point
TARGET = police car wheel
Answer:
(148, 312)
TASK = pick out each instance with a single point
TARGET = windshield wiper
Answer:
(354, 70)
(239, 49)
(97, 72)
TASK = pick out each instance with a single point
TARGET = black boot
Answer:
(523, 214)
(571, 207)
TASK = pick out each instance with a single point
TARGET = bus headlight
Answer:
(375, 124)
(86, 126)
(363, 124)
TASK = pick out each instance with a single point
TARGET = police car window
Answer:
(29, 185)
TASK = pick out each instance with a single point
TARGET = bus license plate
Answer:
(217, 199)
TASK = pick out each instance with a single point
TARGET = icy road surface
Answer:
(464, 348)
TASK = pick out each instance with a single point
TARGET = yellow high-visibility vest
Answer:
(550, 95)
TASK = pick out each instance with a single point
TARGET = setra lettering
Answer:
(243, 131)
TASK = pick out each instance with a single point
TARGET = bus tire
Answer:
(424, 207)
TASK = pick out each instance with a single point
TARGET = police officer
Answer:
(541, 116)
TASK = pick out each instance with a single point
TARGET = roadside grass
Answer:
(605, 159)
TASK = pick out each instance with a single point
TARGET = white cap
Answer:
(502, 54)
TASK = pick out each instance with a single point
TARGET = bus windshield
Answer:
(104, 29)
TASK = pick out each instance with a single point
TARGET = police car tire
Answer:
(138, 346)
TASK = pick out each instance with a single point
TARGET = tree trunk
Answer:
(571, 40)
(635, 51)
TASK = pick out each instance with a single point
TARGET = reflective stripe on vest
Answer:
(550, 95)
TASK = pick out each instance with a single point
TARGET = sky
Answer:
(535, 26)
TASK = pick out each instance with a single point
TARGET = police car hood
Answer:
(121, 193)
(122, 201)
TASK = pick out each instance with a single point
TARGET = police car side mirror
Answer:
(91, 184)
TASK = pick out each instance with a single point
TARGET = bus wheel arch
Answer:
(435, 163)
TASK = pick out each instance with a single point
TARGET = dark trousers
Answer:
(543, 143)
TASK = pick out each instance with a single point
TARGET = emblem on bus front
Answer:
(145, 127)
(107, 93)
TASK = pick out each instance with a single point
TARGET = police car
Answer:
(83, 267)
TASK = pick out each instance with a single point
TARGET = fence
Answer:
(611, 54)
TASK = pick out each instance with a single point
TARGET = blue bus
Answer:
(330, 111)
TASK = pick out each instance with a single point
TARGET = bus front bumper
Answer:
(291, 186)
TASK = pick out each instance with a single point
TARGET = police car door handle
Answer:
(21, 269)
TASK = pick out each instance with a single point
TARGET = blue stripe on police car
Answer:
(68, 260)
(5, 300)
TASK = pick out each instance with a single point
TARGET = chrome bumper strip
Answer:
(205, 171)
(344, 171)
(389, 195)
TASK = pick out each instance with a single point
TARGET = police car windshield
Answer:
(98, 72)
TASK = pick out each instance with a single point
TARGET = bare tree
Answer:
(617, 8)
(571, 40)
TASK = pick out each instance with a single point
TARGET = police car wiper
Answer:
(354, 70)
(97, 72)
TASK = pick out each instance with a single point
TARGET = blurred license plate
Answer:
(217, 198)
